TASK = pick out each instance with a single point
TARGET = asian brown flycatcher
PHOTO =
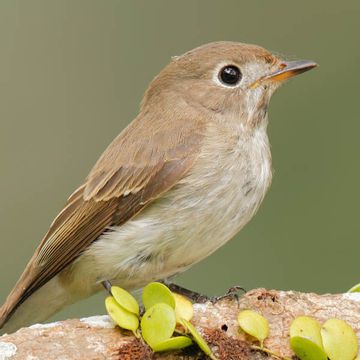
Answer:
(177, 183)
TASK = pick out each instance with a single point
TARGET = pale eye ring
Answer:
(230, 75)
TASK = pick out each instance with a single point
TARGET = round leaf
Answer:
(339, 340)
(183, 308)
(155, 293)
(120, 316)
(355, 288)
(158, 324)
(125, 299)
(307, 327)
(305, 349)
(254, 324)
(174, 343)
(198, 338)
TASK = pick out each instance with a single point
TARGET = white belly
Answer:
(205, 210)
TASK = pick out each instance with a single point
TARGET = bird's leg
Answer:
(233, 292)
(107, 285)
(193, 295)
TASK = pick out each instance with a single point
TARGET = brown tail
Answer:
(21, 310)
(16, 297)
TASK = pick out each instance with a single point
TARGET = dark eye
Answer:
(230, 75)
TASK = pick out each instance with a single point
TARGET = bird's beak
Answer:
(286, 70)
(290, 69)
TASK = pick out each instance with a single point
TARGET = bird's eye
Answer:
(230, 75)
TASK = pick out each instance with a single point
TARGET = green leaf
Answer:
(355, 288)
(174, 343)
(339, 340)
(120, 316)
(306, 349)
(198, 338)
(155, 293)
(254, 324)
(183, 308)
(125, 299)
(158, 324)
(307, 327)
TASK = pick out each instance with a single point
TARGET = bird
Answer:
(182, 179)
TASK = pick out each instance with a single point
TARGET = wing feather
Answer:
(144, 161)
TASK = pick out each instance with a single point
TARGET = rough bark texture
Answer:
(96, 338)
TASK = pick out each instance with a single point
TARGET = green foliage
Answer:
(155, 293)
(158, 324)
(164, 310)
(334, 340)
(307, 328)
(121, 316)
(339, 339)
(183, 308)
(198, 338)
(125, 300)
(174, 343)
(355, 288)
(254, 324)
(306, 349)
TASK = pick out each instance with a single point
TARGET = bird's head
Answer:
(228, 80)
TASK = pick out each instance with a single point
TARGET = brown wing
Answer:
(143, 162)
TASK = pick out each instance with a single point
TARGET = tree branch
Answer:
(96, 338)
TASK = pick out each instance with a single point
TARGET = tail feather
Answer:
(43, 303)
(13, 301)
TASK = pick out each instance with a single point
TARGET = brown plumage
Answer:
(150, 157)
(117, 188)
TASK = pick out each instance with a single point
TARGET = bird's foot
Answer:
(192, 295)
(232, 293)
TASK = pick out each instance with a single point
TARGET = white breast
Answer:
(205, 210)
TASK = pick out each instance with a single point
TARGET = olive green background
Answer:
(73, 72)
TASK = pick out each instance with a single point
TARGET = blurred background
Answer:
(72, 74)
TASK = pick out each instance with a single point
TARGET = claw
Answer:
(233, 292)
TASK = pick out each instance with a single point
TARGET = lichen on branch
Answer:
(97, 338)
